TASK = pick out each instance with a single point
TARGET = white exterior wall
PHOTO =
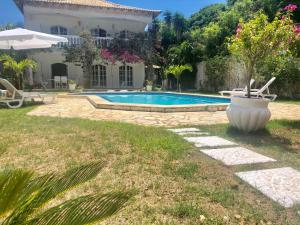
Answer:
(44, 71)
(78, 20)
(234, 77)
(42, 19)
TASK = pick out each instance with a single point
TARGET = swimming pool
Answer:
(155, 101)
(165, 99)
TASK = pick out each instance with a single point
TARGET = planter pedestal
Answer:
(248, 114)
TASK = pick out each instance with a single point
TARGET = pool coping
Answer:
(102, 103)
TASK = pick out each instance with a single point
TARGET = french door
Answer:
(99, 78)
(125, 76)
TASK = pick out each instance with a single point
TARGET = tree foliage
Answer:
(216, 69)
(85, 53)
(206, 34)
(258, 40)
(206, 16)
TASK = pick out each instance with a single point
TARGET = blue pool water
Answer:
(160, 98)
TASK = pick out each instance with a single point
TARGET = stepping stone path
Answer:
(237, 156)
(192, 133)
(180, 130)
(281, 184)
(209, 141)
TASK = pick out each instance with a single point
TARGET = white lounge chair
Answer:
(57, 82)
(258, 92)
(64, 82)
(17, 97)
(223, 93)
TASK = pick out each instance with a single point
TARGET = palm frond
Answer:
(83, 210)
(27, 63)
(43, 189)
(4, 57)
(12, 185)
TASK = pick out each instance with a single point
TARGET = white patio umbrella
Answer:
(20, 39)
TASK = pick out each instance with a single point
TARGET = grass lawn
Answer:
(175, 183)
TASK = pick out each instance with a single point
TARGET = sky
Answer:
(9, 13)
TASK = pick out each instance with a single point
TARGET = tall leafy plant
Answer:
(23, 196)
(217, 69)
(85, 53)
(17, 67)
(259, 39)
(177, 71)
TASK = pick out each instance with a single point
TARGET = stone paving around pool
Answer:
(282, 185)
(82, 108)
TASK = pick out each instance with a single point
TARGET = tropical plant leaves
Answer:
(83, 210)
(12, 185)
(42, 189)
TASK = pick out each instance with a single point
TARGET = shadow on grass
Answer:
(289, 124)
(25, 105)
(266, 138)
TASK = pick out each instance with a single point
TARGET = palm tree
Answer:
(22, 196)
(178, 24)
(18, 68)
(177, 71)
(168, 18)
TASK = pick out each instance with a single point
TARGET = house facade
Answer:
(105, 20)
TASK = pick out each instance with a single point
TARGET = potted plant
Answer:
(72, 85)
(256, 41)
(149, 85)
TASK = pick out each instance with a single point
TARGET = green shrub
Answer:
(216, 70)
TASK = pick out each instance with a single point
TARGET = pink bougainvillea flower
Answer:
(238, 30)
(107, 55)
(129, 58)
(291, 7)
(297, 29)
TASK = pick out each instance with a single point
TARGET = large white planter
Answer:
(72, 87)
(248, 114)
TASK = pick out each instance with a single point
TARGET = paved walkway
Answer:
(81, 108)
(279, 184)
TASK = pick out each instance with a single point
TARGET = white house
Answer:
(104, 20)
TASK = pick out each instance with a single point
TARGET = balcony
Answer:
(101, 42)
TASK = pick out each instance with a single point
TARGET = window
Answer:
(126, 76)
(98, 32)
(125, 34)
(99, 76)
(58, 30)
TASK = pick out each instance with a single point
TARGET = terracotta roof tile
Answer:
(89, 3)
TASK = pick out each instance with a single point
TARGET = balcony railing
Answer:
(73, 40)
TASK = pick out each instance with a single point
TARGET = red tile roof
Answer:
(88, 3)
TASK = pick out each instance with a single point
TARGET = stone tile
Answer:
(237, 156)
(180, 130)
(82, 108)
(281, 185)
(192, 133)
(211, 141)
